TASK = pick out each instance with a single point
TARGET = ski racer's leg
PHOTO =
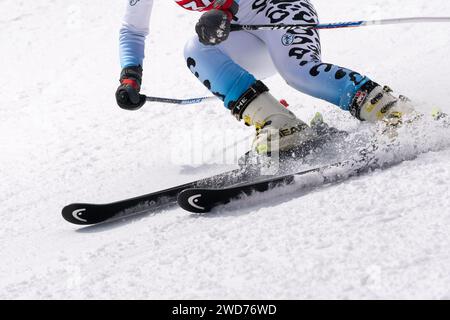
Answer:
(221, 69)
(297, 54)
(225, 69)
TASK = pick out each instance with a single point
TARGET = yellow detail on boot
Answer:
(247, 120)
(380, 115)
(259, 125)
(370, 107)
(393, 119)
(262, 148)
(436, 112)
(318, 118)
(395, 114)
(384, 111)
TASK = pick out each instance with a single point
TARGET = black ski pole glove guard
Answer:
(127, 94)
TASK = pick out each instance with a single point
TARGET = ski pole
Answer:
(178, 101)
(337, 25)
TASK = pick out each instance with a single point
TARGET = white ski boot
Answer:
(277, 129)
(375, 103)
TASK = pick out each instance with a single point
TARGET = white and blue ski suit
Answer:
(230, 68)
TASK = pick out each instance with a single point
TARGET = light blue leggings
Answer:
(228, 69)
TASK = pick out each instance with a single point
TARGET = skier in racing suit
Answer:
(232, 64)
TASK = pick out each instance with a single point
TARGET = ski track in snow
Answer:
(385, 234)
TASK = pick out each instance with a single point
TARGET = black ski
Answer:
(88, 214)
(202, 200)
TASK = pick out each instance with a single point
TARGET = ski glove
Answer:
(213, 27)
(127, 94)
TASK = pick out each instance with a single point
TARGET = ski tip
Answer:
(194, 200)
(81, 214)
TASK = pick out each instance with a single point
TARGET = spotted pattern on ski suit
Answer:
(228, 69)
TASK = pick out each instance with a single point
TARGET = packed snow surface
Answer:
(385, 234)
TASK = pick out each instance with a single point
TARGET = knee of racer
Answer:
(191, 47)
(299, 77)
(194, 51)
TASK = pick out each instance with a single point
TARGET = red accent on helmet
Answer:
(204, 5)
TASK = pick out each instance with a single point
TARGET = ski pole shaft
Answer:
(178, 101)
(338, 25)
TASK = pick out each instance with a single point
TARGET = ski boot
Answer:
(277, 128)
(374, 103)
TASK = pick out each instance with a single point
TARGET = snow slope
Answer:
(62, 139)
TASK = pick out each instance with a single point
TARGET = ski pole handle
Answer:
(338, 25)
(178, 101)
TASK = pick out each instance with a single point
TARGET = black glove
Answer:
(127, 94)
(213, 27)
